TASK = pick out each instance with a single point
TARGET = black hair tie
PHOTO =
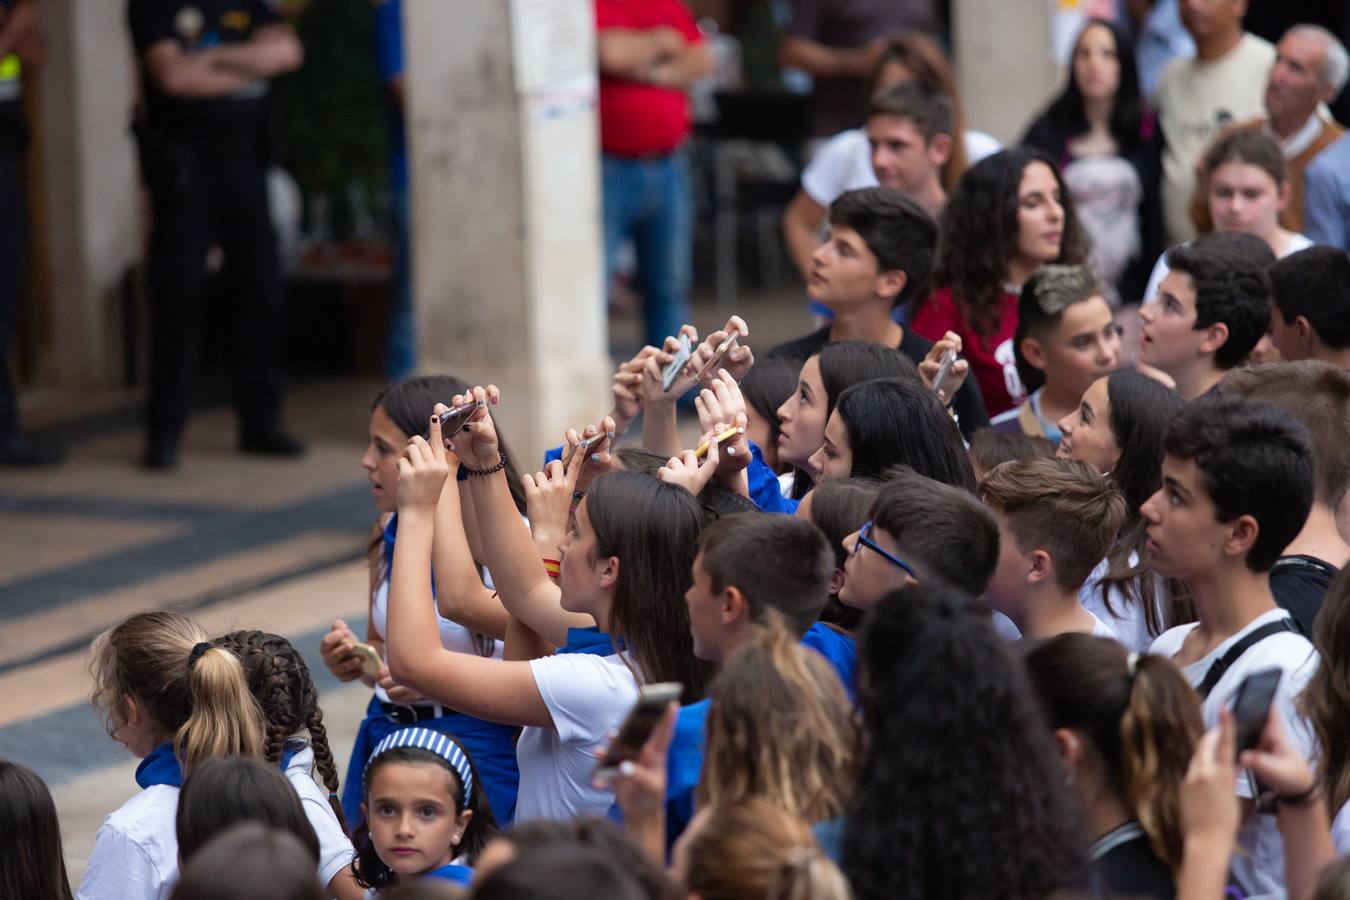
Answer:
(197, 651)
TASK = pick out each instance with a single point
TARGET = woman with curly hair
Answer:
(1126, 727)
(1106, 146)
(1009, 215)
(962, 793)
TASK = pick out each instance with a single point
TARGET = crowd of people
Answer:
(971, 592)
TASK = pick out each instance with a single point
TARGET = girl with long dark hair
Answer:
(469, 617)
(1323, 703)
(1009, 215)
(1106, 146)
(889, 422)
(1118, 428)
(1126, 726)
(31, 865)
(617, 610)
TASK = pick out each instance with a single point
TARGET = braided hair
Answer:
(280, 681)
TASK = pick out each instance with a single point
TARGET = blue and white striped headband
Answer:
(436, 742)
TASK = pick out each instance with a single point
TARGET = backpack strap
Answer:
(1225, 662)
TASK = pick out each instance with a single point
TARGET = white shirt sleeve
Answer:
(335, 848)
(121, 869)
(587, 695)
(827, 175)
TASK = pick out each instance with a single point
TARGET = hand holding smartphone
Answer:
(585, 447)
(1251, 706)
(944, 369)
(673, 368)
(369, 656)
(637, 728)
(721, 351)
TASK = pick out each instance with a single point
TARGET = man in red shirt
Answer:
(650, 53)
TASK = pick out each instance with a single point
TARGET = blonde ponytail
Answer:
(225, 719)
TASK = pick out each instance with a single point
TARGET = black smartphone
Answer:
(1251, 706)
(638, 727)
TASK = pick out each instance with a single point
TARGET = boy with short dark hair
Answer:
(879, 254)
(750, 568)
(1237, 488)
(1311, 320)
(1066, 339)
(1318, 395)
(1211, 310)
(920, 530)
(1057, 519)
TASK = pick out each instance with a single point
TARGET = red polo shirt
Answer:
(639, 119)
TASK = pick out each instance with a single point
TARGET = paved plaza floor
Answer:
(238, 542)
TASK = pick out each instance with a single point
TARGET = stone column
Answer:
(1003, 62)
(91, 225)
(504, 163)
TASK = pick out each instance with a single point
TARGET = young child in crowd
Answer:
(1237, 488)
(469, 618)
(919, 529)
(173, 699)
(225, 791)
(424, 813)
(839, 507)
(1056, 521)
(1066, 339)
(1210, 311)
(31, 865)
(888, 422)
(988, 448)
(1318, 395)
(1118, 430)
(251, 861)
(877, 258)
(1311, 319)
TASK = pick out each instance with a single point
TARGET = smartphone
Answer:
(727, 435)
(370, 657)
(584, 448)
(944, 368)
(454, 418)
(1251, 706)
(720, 352)
(676, 365)
(638, 727)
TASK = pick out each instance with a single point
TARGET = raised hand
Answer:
(627, 388)
(476, 442)
(336, 651)
(688, 472)
(422, 470)
(737, 360)
(932, 362)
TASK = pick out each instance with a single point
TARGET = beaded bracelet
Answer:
(491, 470)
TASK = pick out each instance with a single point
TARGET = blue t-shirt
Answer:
(684, 764)
(764, 488)
(389, 66)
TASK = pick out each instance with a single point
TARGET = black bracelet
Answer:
(1306, 798)
(501, 464)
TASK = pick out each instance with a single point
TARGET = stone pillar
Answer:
(90, 173)
(504, 162)
(1003, 62)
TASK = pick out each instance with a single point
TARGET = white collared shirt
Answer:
(1300, 140)
(136, 852)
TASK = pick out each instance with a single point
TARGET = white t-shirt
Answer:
(335, 848)
(1196, 99)
(1128, 620)
(1296, 243)
(454, 636)
(1260, 868)
(135, 854)
(844, 163)
(588, 696)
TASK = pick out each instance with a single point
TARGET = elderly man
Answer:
(1310, 69)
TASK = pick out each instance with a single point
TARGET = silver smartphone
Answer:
(676, 365)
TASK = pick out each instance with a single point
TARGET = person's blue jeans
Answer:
(400, 356)
(649, 200)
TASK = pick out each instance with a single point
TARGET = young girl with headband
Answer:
(424, 812)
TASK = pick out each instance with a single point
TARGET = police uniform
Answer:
(204, 162)
(14, 449)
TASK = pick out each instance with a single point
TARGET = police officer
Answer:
(203, 133)
(20, 48)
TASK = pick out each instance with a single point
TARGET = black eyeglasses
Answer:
(865, 540)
